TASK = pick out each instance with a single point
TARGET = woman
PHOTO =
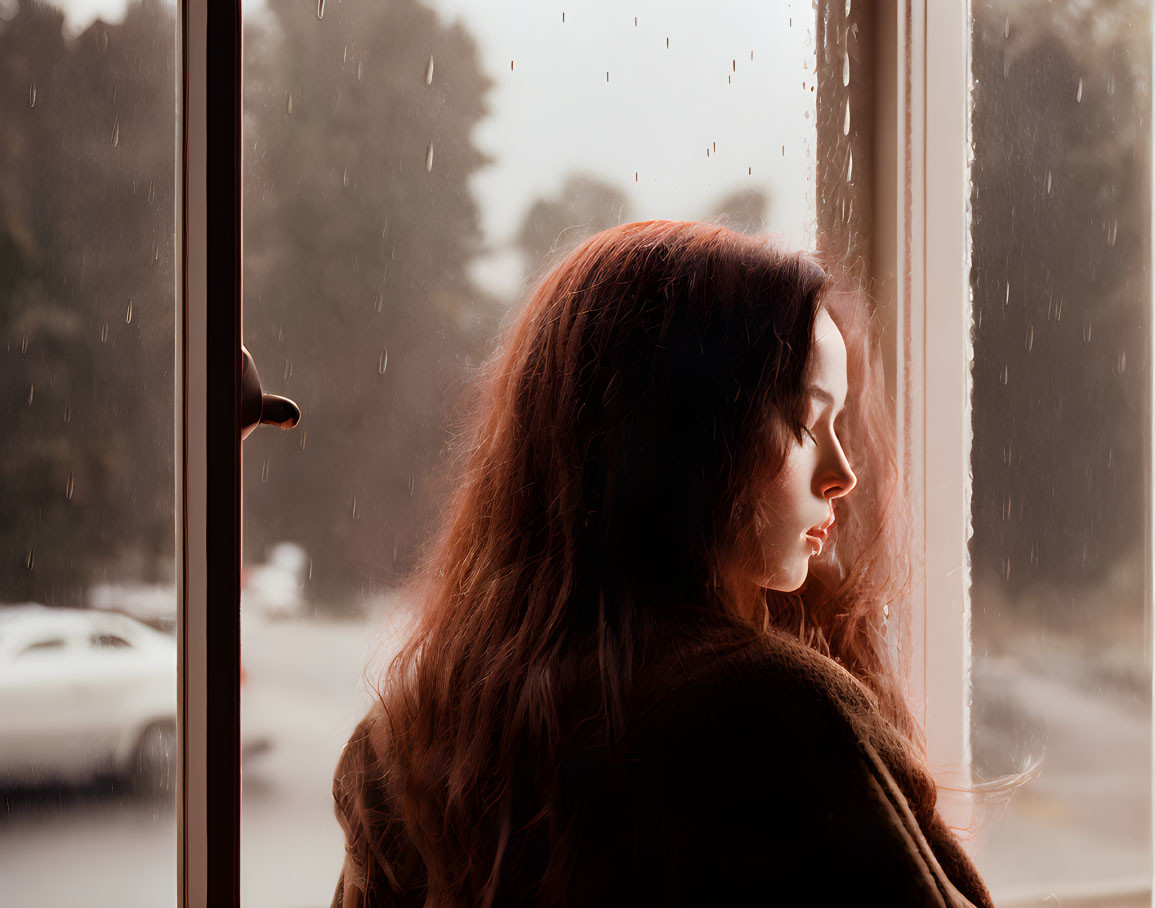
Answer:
(650, 666)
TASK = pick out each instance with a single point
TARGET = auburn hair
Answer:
(602, 508)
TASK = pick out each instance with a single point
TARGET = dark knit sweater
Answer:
(766, 778)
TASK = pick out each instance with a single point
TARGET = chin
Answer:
(789, 583)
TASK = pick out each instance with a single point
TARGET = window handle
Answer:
(258, 408)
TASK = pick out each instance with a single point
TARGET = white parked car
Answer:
(85, 693)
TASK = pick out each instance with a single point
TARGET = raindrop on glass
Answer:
(1112, 232)
(429, 71)
(1048, 182)
(290, 104)
(104, 332)
(1088, 330)
(847, 8)
(32, 95)
(69, 486)
(1004, 376)
(24, 343)
(320, 9)
(1122, 367)
(846, 119)
(281, 334)
(1059, 310)
(360, 64)
(429, 157)
(31, 392)
(304, 436)
(354, 507)
(345, 177)
(68, 412)
(116, 132)
(1079, 92)
(845, 67)
(30, 558)
(1030, 342)
(345, 54)
(1110, 83)
(1007, 295)
(379, 301)
(310, 568)
(287, 372)
(382, 362)
(1006, 27)
(849, 166)
(265, 471)
(128, 313)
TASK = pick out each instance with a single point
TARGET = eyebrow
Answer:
(825, 396)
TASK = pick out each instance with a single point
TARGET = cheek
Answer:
(787, 497)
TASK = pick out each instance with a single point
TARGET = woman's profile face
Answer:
(797, 509)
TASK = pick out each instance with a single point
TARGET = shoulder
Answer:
(776, 679)
(360, 793)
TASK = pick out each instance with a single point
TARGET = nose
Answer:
(837, 479)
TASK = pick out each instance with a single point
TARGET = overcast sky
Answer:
(735, 79)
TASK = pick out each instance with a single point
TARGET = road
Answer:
(1081, 826)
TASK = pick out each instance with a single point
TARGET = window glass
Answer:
(87, 130)
(1062, 307)
(409, 168)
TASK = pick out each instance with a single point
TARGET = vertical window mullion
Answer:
(941, 270)
(208, 439)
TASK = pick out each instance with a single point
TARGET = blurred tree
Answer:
(86, 312)
(552, 227)
(359, 226)
(1061, 280)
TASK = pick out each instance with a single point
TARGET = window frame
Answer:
(920, 232)
(208, 463)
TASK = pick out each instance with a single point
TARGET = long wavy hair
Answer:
(600, 528)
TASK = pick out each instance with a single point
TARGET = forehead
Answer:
(827, 365)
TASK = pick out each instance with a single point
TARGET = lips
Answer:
(822, 531)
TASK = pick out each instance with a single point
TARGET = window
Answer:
(985, 166)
